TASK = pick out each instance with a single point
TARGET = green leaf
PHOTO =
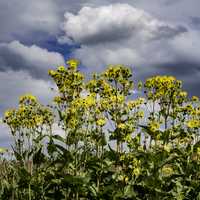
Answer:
(38, 157)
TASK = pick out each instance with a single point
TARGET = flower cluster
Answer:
(135, 103)
(30, 114)
(164, 86)
(68, 80)
(154, 125)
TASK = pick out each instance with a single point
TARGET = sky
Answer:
(152, 37)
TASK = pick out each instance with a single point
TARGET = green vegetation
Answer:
(114, 146)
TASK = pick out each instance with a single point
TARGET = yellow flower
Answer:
(126, 179)
(105, 104)
(154, 126)
(51, 72)
(136, 171)
(167, 147)
(101, 122)
(72, 123)
(73, 63)
(78, 76)
(141, 100)
(10, 114)
(121, 126)
(90, 101)
(27, 97)
(57, 99)
(136, 162)
(61, 68)
(135, 103)
(183, 94)
(194, 123)
(38, 120)
(167, 170)
(195, 98)
(131, 104)
(140, 114)
(118, 98)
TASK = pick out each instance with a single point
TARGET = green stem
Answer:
(29, 191)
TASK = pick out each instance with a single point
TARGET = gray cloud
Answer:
(19, 17)
(14, 84)
(5, 136)
(195, 22)
(32, 59)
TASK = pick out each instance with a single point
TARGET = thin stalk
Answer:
(29, 191)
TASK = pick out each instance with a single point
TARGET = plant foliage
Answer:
(118, 140)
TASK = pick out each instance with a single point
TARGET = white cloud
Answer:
(113, 23)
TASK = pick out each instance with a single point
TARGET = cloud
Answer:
(187, 46)
(114, 23)
(14, 84)
(5, 136)
(32, 59)
(119, 33)
(21, 17)
(33, 21)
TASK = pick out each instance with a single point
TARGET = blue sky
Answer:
(152, 37)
